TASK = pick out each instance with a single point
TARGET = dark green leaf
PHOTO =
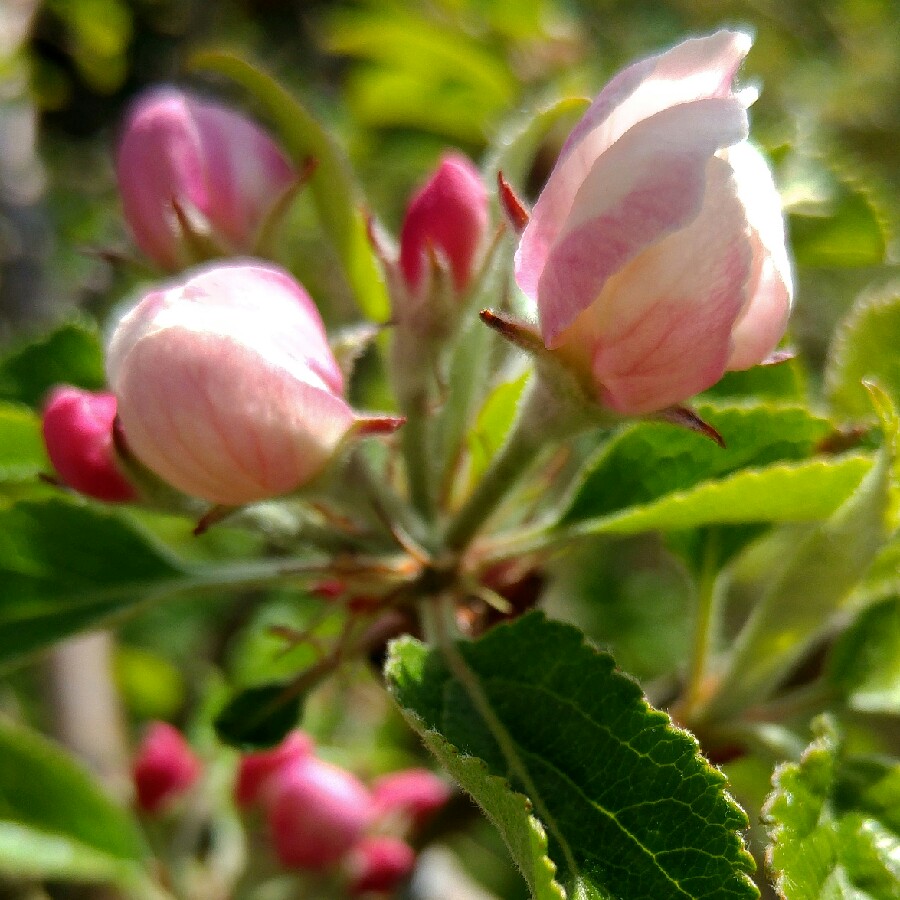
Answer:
(260, 717)
(70, 355)
(866, 347)
(65, 566)
(56, 821)
(22, 454)
(630, 808)
(829, 840)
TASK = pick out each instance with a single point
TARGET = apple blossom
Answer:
(256, 769)
(316, 812)
(78, 434)
(656, 252)
(164, 767)
(181, 157)
(447, 217)
(379, 863)
(226, 385)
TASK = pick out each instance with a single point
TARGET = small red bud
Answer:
(256, 769)
(379, 864)
(164, 767)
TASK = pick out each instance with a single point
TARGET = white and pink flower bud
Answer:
(164, 767)
(316, 812)
(182, 158)
(379, 864)
(78, 434)
(446, 220)
(656, 251)
(226, 385)
(257, 769)
(415, 794)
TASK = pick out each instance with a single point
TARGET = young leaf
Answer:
(66, 566)
(55, 821)
(630, 808)
(333, 191)
(259, 717)
(72, 354)
(865, 347)
(22, 454)
(829, 839)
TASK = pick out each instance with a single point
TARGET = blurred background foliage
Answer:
(398, 82)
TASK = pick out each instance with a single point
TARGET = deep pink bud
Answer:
(379, 864)
(212, 162)
(414, 793)
(448, 217)
(164, 767)
(256, 769)
(227, 387)
(656, 252)
(316, 812)
(78, 428)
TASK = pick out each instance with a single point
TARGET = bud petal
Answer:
(212, 163)
(256, 769)
(414, 793)
(654, 262)
(78, 434)
(316, 812)
(227, 387)
(164, 768)
(447, 218)
(379, 864)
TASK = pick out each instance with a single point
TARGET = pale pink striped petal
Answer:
(648, 184)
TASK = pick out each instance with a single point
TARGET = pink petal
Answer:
(660, 331)
(650, 183)
(693, 70)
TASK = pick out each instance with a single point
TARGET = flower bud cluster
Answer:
(321, 817)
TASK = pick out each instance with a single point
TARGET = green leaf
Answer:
(334, 193)
(72, 354)
(651, 459)
(65, 566)
(492, 424)
(259, 717)
(630, 808)
(829, 841)
(813, 581)
(22, 454)
(864, 663)
(866, 348)
(55, 821)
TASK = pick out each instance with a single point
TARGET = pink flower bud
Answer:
(379, 864)
(227, 387)
(656, 251)
(164, 768)
(214, 164)
(77, 428)
(316, 812)
(448, 217)
(414, 793)
(256, 769)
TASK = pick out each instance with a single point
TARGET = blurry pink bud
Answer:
(448, 217)
(78, 427)
(164, 768)
(204, 158)
(379, 864)
(256, 769)
(227, 387)
(316, 812)
(415, 793)
(656, 251)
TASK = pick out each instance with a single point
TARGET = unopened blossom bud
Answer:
(447, 219)
(78, 435)
(164, 767)
(379, 864)
(656, 251)
(316, 812)
(256, 769)
(227, 387)
(186, 159)
(413, 793)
